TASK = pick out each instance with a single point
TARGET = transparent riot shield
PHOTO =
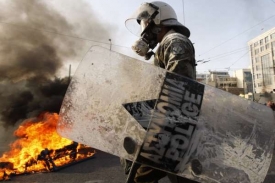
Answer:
(232, 140)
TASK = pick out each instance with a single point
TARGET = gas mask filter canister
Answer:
(148, 39)
(140, 47)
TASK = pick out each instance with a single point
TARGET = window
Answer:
(261, 42)
(257, 68)
(256, 44)
(266, 39)
(272, 36)
(266, 65)
(259, 84)
(256, 51)
(257, 59)
(273, 44)
(262, 48)
(247, 77)
(267, 46)
(259, 76)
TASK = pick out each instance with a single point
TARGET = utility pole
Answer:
(183, 12)
(69, 73)
(110, 44)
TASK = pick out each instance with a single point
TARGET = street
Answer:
(103, 168)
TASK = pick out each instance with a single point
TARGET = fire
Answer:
(39, 148)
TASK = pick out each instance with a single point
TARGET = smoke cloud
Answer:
(31, 55)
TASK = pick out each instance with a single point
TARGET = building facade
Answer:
(262, 49)
(244, 80)
(222, 80)
(202, 78)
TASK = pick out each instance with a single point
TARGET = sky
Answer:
(220, 29)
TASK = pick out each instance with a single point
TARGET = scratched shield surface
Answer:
(233, 139)
(92, 111)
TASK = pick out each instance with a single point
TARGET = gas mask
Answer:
(148, 39)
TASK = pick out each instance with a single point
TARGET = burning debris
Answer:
(40, 149)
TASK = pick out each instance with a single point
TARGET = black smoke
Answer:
(31, 97)
(31, 54)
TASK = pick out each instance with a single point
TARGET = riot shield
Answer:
(232, 140)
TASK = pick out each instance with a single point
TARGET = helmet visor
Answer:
(142, 14)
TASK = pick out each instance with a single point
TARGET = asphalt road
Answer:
(103, 168)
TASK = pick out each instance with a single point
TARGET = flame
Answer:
(34, 138)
